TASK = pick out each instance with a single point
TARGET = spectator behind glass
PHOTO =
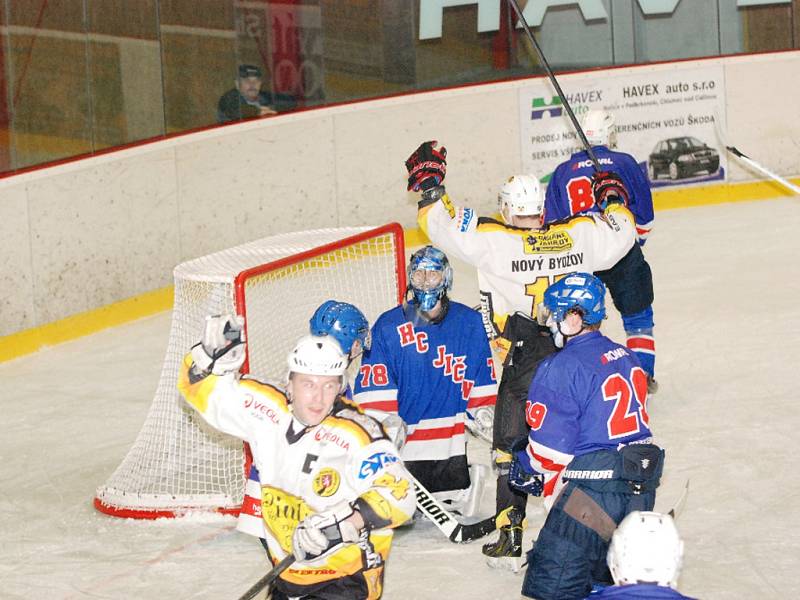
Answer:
(248, 100)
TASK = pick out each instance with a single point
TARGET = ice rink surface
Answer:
(727, 314)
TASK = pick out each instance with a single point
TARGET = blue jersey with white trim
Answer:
(569, 191)
(592, 395)
(638, 591)
(430, 374)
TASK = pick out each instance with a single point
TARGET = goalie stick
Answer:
(457, 532)
(267, 579)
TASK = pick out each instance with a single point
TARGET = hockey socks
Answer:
(639, 332)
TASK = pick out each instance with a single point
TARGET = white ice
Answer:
(728, 337)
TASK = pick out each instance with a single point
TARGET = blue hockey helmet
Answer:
(343, 322)
(430, 276)
(583, 291)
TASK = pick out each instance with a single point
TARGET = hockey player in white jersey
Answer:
(517, 259)
(332, 484)
(645, 559)
(346, 324)
(430, 363)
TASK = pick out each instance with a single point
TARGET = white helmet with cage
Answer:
(318, 355)
(600, 128)
(521, 195)
(646, 548)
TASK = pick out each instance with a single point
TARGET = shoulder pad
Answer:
(367, 423)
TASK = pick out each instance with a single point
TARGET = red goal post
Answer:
(179, 464)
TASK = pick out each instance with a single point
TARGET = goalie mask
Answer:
(343, 322)
(646, 548)
(521, 195)
(599, 127)
(581, 292)
(430, 277)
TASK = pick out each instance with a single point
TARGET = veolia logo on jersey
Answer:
(326, 435)
(260, 409)
(326, 482)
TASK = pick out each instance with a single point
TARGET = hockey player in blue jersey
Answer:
(645, 559)
(430, 362)
(589, 452)
(630, 281)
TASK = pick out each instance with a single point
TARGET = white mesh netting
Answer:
(177, 462)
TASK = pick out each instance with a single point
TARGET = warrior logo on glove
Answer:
(426, 167)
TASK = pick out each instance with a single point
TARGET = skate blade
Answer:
(506, 563)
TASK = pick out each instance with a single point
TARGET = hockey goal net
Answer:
(178, 463)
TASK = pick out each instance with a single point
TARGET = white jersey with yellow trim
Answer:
(515, 265)
(306, 470)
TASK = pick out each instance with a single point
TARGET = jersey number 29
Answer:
(625, 419)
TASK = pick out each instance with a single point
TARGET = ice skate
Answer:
(506, 552)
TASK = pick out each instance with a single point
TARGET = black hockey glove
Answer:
(426, 167)
(608, 188)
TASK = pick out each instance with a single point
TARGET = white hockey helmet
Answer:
(599, 127)
(646, 548)
(318, 355)
(520, 195)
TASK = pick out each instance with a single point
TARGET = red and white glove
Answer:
(608, 188)
(320, 533)
(426, 167)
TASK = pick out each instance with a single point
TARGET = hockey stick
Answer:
(746, 159)
(749, 161)
(267, 579)
(458, 533)
(676, 510)
(587, 146)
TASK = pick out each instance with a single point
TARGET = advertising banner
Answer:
(665, 117)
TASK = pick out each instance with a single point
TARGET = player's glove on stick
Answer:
(608, 188)
(480, 422)
(522, 475)
(222, 348)
(426, 167)
(320, 533)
